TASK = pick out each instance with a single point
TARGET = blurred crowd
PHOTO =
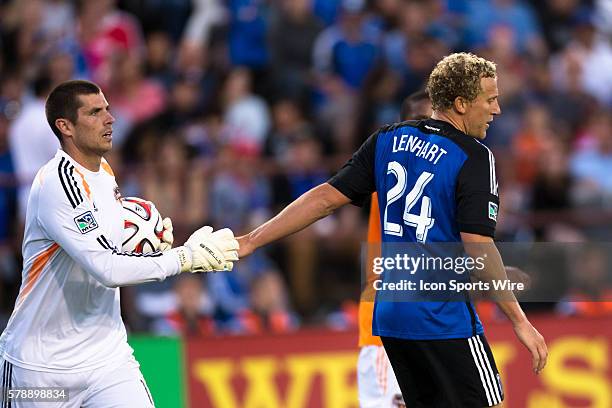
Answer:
(227, 110)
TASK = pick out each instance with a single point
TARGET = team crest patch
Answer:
(493, 208)
(86, 222)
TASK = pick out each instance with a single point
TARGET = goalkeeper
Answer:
(66, 329)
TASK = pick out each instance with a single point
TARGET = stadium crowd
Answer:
(228, 110)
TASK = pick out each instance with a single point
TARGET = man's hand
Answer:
(207, 251)
(167, 238)
(534, 342)
(245, 247)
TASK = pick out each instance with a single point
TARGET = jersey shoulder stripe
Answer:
(65, 171)
(106, 167)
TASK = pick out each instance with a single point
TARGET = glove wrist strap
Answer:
(184, 257)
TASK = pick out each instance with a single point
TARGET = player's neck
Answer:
(90, 161)
(450, 118)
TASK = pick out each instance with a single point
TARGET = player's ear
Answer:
(64, 126)
(460, 105)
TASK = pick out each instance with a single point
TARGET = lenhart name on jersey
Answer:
(426, 150)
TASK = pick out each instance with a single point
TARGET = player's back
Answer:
(64, 319)
(433, 182)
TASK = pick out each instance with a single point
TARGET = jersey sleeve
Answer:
(76, 228)
(476, 193)
(356, 178)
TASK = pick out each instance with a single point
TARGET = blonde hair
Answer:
(457, 75)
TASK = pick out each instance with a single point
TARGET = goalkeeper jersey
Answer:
(67, 316)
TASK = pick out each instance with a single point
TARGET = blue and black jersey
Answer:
(433, 182)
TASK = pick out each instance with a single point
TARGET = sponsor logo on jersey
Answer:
(493, 208)
(86, 222)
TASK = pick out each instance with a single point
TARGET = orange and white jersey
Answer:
(67, 316)
(366, 305)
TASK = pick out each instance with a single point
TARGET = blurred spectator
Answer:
(22, 35)
(419, 22)
(592, 162)
(135, 97)
(349, 48)
(528, 144)
(239, 198)
(194, 64)
(103, 31)
(269, 311)
(252, 299)
(177, 185)
(591, 293)
(206, 16)
(585, 61)
(551, 189)
(180, 112)
(379, 101)
(603, 13)
(289, 124)
(556, 18)
(29, 129)
(327, 10)
(340, 104)
(158, 57)
(61, 65)
(304, 171)
(483, 16)
(169, 16)
(192, 314)
(248, 39)
(292, 54)
(568, 107)
(246, 114)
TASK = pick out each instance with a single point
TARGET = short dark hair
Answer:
(407, 110)
(63, 102)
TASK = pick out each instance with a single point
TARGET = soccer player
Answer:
(438, 350)
(66, 329)
(376, 381)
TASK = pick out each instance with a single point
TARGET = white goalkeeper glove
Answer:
(167, 238)
(207, 251)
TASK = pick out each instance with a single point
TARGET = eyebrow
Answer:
(98, 109)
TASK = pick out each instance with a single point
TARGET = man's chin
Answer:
(107, 147)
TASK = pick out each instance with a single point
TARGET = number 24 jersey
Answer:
(433, 182)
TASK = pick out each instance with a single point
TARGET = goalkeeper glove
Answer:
(207, 251)
(167, 238)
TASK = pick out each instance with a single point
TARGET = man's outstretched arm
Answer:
(313, 205)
